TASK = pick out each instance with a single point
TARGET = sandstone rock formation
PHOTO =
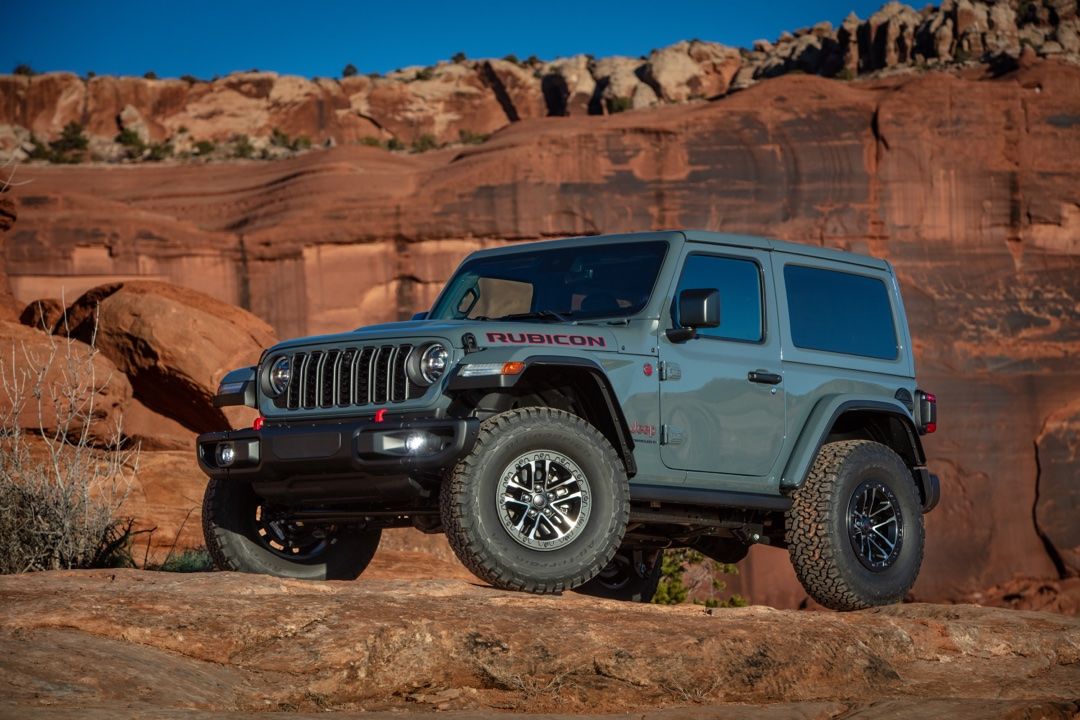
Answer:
(43, 314)
(965, 182)
(438, 104)
(207, 644)
(174, 344)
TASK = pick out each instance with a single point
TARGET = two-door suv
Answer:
(567, 410)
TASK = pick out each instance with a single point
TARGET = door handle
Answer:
(765, 377)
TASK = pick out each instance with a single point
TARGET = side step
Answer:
(708, 498)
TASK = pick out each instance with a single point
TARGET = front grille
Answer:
(350, 377)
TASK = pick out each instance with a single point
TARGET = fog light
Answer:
(226, 453)
(416, 442)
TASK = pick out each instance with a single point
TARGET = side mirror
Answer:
(420, 316)
(698, 308)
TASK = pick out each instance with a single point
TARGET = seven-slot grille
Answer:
(343, 377)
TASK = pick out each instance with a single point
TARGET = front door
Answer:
(722, 393)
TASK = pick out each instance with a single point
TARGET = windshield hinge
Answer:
(670, 371)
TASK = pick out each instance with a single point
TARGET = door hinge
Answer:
(670, 371)
(671, 435)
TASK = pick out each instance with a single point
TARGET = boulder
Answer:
(1058, 449)
(63, 369)
(517, 88)
(42, 314)
(621, 87)
(569, 86)
(692, 69)
(175, 345)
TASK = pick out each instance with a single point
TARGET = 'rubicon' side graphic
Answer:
(545, 339)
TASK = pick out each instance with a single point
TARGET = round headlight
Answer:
(278, 376)
(433, 362)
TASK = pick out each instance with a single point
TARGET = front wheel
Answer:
(540, 503)
(855, 528)
(246, 534)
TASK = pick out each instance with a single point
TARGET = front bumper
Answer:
(356, 459)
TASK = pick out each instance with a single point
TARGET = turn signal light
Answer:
(258, 424)
(513, 368)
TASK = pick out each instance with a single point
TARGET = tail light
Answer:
(925, 411)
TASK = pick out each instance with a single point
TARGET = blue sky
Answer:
(205, 38)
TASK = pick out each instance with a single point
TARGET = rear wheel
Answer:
(632, 575)
(540, 503)
(855, 528)
(244, 533)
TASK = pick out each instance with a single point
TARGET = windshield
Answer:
(582, 282)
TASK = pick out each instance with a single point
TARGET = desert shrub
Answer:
(512, 58)
(424, 143)
(90, 74)
(394, 144)
(160, 151)
(189, 79)
(24, 69)
(458, 58)
(468, 137)
(424, 74)
(59, 495)
(279, 138)
(134, 147)
(618, 104)
(242, 147)
(192, 560)
(150, 75)
(371, 141)
(69, 148)
(204, 147)
(349, 70)
(673, 589)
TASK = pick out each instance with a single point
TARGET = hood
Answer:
(489, 333)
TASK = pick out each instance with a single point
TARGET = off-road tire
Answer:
(470, 513)
(822, 553)
(228, 516)
(630, 581)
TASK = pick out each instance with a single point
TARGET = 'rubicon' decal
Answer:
(545, 339)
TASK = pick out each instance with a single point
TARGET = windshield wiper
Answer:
(539, 315)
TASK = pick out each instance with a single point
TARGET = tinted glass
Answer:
(739, 283)
(840, 312)
(587, 281)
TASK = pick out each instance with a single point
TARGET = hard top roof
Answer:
(697, 236)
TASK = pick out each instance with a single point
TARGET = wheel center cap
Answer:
(539, 500)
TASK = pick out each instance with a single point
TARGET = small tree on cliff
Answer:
(349, 70)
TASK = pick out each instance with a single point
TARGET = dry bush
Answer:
(59, 494)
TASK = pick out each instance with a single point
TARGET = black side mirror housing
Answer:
(698, 308)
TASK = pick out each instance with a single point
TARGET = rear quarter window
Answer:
(840, 312)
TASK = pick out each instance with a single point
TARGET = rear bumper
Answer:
(354, 459)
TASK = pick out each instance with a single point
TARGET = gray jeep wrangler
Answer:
(567, 410)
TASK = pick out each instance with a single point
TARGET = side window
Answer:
(840, 312)
(739, 283)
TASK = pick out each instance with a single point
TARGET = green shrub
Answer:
(532, 60)
(70, 147)
(349, 70)
(512, 58)
(424, 143)
(189, 79)
(204, 147)
(424, 74)
(160, 151)
(371, 141)
(150, 75)
(458, 58)
(188, 561)
(846, 74)
(618, 104)
(242, 147)
(468, 137)
(278, 138)
(90, 74)
(394, 144)
(673, 590)
(24, 69)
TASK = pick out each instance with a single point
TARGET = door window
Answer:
(739, 283)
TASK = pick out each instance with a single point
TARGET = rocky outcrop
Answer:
(43, 314)
(174, 344)
(1058, 451)
(423, 107)
(214, 643)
